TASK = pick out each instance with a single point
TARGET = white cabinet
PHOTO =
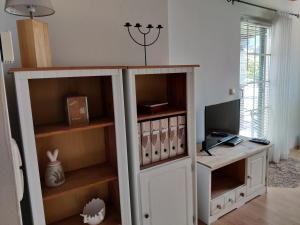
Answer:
(230, 179)
(256, 172)
(166, 195)
(163, 192)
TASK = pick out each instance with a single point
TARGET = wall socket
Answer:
(232, 91)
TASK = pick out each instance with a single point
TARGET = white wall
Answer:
(91, 32)
(207, 32)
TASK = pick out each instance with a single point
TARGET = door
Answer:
(166, 194)
(256, 172)
(10, 174)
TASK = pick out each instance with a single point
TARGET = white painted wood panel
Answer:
(203, 192)
(120, 129)
(29, 148)
(10, 212)
(167, 195)
(256, 172)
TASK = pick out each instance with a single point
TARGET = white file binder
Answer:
(181, 135)
(146, 142)
(173, 136)
(164, 139)
(155, 140)
(140, 143)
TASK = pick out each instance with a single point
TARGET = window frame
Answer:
(256, 127)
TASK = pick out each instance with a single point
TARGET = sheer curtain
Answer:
(281, 81)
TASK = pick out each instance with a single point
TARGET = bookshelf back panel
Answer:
(235, 170)
(151, 88)
(160, 88)
(228, 178)
(77, 149)
(48, 97)
(72, 203)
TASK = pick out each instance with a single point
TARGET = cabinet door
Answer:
(256, 172)
(166, 195)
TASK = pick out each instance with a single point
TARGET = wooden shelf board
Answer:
(222, 184)
(166, 113)
(112, 218)
(82, 178)
(163, 66)
(163, 161)
(99, 68)
(66, 68)
(50, 130)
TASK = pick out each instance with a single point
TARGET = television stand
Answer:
(230, 178)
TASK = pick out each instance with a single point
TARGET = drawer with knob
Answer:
(229, 199)
(240, 193)
(217, 205)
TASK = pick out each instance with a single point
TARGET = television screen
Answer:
(224, 118)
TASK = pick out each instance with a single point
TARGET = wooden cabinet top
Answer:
(66, 68)
(162, 67)
(100, 68)
(224, 155)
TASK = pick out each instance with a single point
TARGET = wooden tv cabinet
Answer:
(230, 178)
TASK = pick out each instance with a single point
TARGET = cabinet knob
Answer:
(219, 207)
(146, 216)
(249, 177)
(242, 194)
(230, 200)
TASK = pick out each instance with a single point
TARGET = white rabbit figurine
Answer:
(54, 175)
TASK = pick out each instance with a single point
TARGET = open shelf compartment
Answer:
(161, 88)
(60, 128)
(112, 218)
(88, 153)
(82, 178)
(228, 178)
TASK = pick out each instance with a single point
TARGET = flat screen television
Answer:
(222, 118)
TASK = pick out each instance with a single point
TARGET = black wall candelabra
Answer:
(144, 33)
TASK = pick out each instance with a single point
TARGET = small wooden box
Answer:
(77, 110)
(152, 107)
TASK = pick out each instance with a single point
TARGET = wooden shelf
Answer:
(222, 184)
(50, 130)
(82, 178)
(166, 113)
(112, 218)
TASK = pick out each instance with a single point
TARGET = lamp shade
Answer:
(29, 8)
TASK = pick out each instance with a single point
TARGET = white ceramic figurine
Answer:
(94, 212)
(54, 175)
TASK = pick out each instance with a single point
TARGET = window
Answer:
(254, 79)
